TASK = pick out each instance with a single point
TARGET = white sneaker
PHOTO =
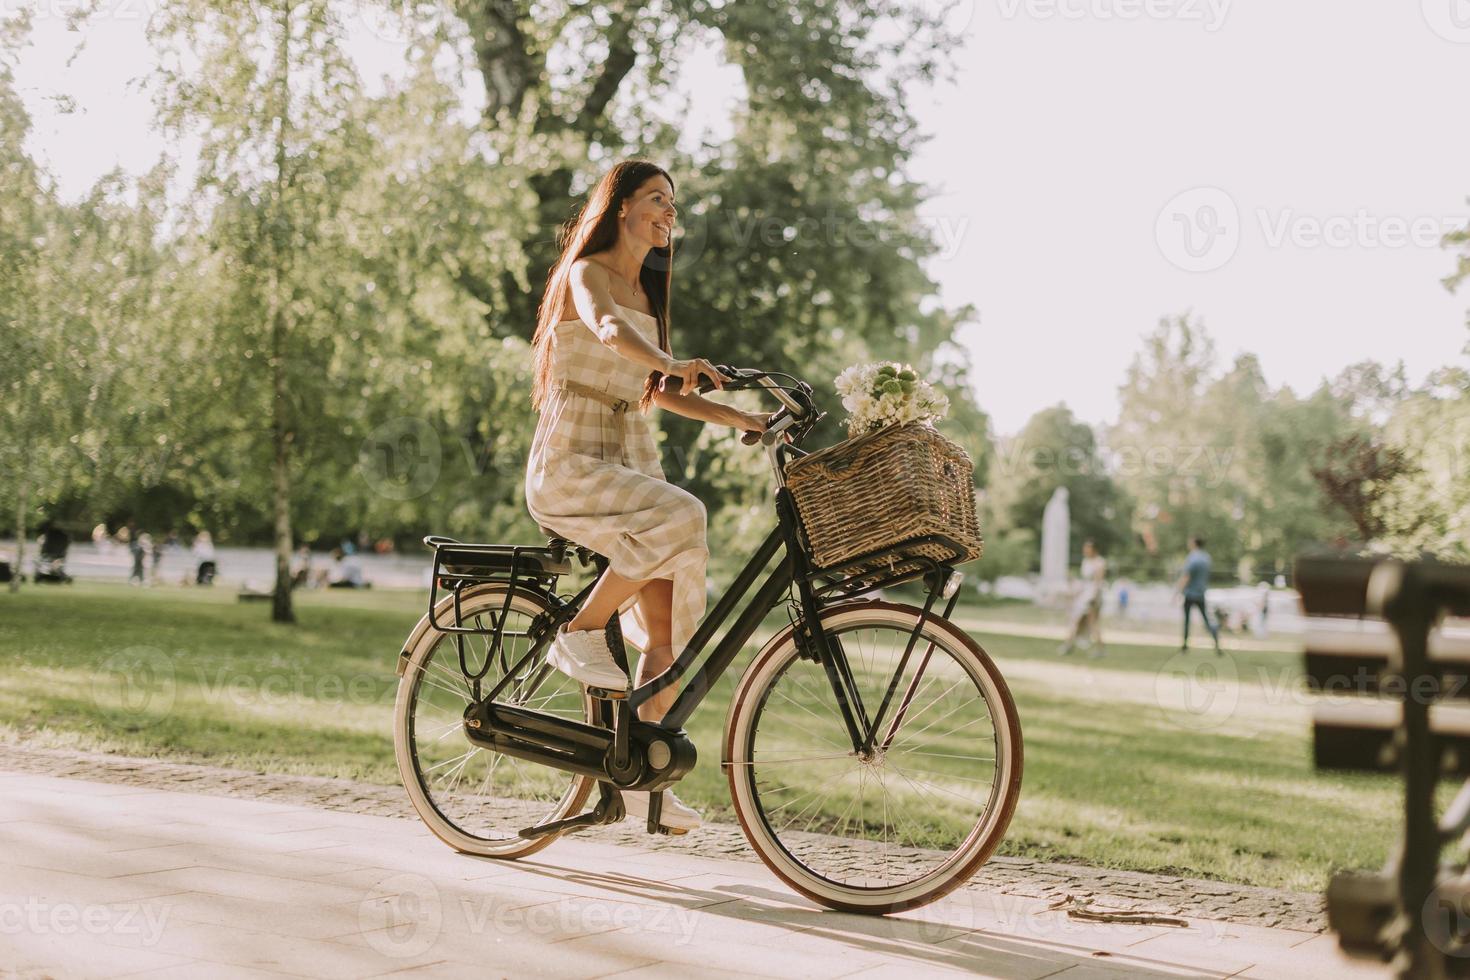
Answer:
(674, 814)
(583, 655)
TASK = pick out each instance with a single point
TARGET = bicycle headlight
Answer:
(952, 584)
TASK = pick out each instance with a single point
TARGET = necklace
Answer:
(633, 285)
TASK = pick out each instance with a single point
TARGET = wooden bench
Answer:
(1395, 697)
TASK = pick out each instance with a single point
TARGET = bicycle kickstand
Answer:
(655, 810)
(609, 809)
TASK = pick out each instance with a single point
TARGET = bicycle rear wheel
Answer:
(921, 813)
(474, 799)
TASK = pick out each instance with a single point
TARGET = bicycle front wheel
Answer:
(905, 822)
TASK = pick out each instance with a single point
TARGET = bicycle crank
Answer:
(632, 754)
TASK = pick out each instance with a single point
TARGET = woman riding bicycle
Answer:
(602, 348)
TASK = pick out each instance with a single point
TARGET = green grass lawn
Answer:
(1127, 765)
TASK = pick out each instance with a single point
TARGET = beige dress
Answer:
(594, 477)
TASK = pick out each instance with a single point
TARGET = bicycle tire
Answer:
(742, 764)
(424, 642)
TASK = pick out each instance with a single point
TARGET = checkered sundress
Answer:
(594, 477)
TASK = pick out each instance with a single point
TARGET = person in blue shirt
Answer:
(1193, 582)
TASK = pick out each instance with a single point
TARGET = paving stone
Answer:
(278, 801)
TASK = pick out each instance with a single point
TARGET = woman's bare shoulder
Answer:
(591, 269)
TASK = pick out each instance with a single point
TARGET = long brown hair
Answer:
(595, 229)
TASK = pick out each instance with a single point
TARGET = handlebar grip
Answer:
(751, 437)
(726, 371)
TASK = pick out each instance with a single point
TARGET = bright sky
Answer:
(1283, 170)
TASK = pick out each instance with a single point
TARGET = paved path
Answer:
(113, 879)
(1022, 877)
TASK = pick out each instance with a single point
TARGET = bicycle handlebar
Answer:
(739, 378)
(797, 411)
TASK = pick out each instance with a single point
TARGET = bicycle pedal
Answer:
(606, 694)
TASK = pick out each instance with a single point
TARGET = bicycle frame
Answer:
(556, 742)
(788, 571)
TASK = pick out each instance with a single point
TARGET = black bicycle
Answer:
(872, 748)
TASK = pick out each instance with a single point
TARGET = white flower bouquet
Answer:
(887, 393)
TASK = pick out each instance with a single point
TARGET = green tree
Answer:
(1426, 509)
(799, 246)
(272, 100)
(33, 357)
(1172, 456)
(1285, 509)
(1055, 449)
(352, 276)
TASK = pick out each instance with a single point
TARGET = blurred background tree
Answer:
(326, 332)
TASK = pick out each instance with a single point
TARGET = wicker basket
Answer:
(886, 490)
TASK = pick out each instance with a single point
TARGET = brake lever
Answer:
(727, 373)
(750, 437)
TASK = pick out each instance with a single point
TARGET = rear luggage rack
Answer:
(459, 565)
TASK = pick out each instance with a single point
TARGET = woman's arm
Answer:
(696, 406)
(595, 305)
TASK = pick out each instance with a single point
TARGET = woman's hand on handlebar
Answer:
(753, 424)
(688, 373)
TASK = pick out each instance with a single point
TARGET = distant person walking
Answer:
(144, 549)
(1087, 608)
(155, 556)
(301, 568)
(135, 549)
(1194, 581)
(203, 550)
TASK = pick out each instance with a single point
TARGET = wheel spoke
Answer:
(915, 789)
(474, 793)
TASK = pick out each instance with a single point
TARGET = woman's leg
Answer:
(656, 610)
(605, 598)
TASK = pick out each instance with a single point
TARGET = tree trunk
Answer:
(22, 504)
(281, 611)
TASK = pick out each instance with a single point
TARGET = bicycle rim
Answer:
(915, 820)
(474, 799)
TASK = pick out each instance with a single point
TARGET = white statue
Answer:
(1056, 529)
